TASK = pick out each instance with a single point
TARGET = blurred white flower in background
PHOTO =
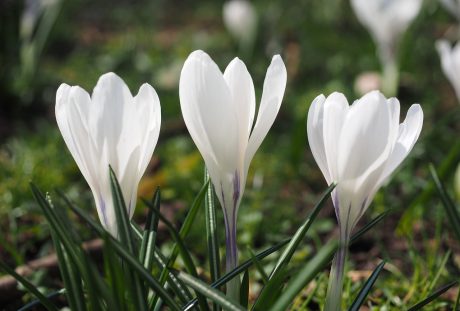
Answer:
(450, 62)
(387, 21)
(240, 18)
(110, 128)
(453, 7)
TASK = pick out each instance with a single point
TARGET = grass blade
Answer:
(258, 266)
(211, 233)
(146, 253)
(211, 293)
(301, 232)
(30, 287)
(451, 210)
(359, 300)
(135, 286)
(304, 276)
(240, 269)
(432, 297)
(368, 226)
(244, 290)
(129, 258)
(34, 304)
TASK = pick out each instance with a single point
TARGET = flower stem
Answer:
(335, 286)
(233, 286)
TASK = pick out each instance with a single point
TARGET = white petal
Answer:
(149, 117)
(241, 87)
(450, 62)
(208, 111)
(272, 96)
(334, 114)
(409, 132)
(315, 135)
(113, 108)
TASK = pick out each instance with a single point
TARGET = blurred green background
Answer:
(49, 42)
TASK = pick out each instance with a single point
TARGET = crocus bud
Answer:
(110, 128)
(218, 110)
(450, 62)
(357, 147)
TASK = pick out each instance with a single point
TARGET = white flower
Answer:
(450, 62)
(240, 18)
(110, 128)
(453, 6)
(358, 147)
(218, 110)
(386, 20)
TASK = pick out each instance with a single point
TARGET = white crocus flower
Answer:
(110, 128)
(453, 6)
(450, 62)
(387, 20)
(357, 147)
(218, 110)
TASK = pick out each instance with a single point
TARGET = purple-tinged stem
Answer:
(335, 286)
(233, 286)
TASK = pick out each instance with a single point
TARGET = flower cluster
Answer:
(357, 147)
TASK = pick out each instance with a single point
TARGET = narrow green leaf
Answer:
(150, 233)
(114, 274)
(185, 229)
(452, 212)
(368, 226)
(35, 303)
(134, 285)
(304, 276)
(211, 293)
(301, 232)
(258, 266)
(30, 287)
(359, 300)
(129, 258)
(70, 277)
(211, 231)
(241, 268)
(432, 297)
(244, 290)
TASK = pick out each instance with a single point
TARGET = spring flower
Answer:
(453, 6)
(450, 62)
(218, 110)
(110, 128)
(240, 18)
(357, 147)
(387, 20)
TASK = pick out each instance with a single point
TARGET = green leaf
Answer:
(70, 276)
(452, 212)
(241, 268)
(129, 258)
(304, 276)
(258, 266)
(359, 300)
(211, 293)
(185, 229)
(134, 285)
(30, 287)
(244, 290)
(146, 253)
(211, 231)
(368, 226)
(432, 297)
(301, 232)
(35, 303)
